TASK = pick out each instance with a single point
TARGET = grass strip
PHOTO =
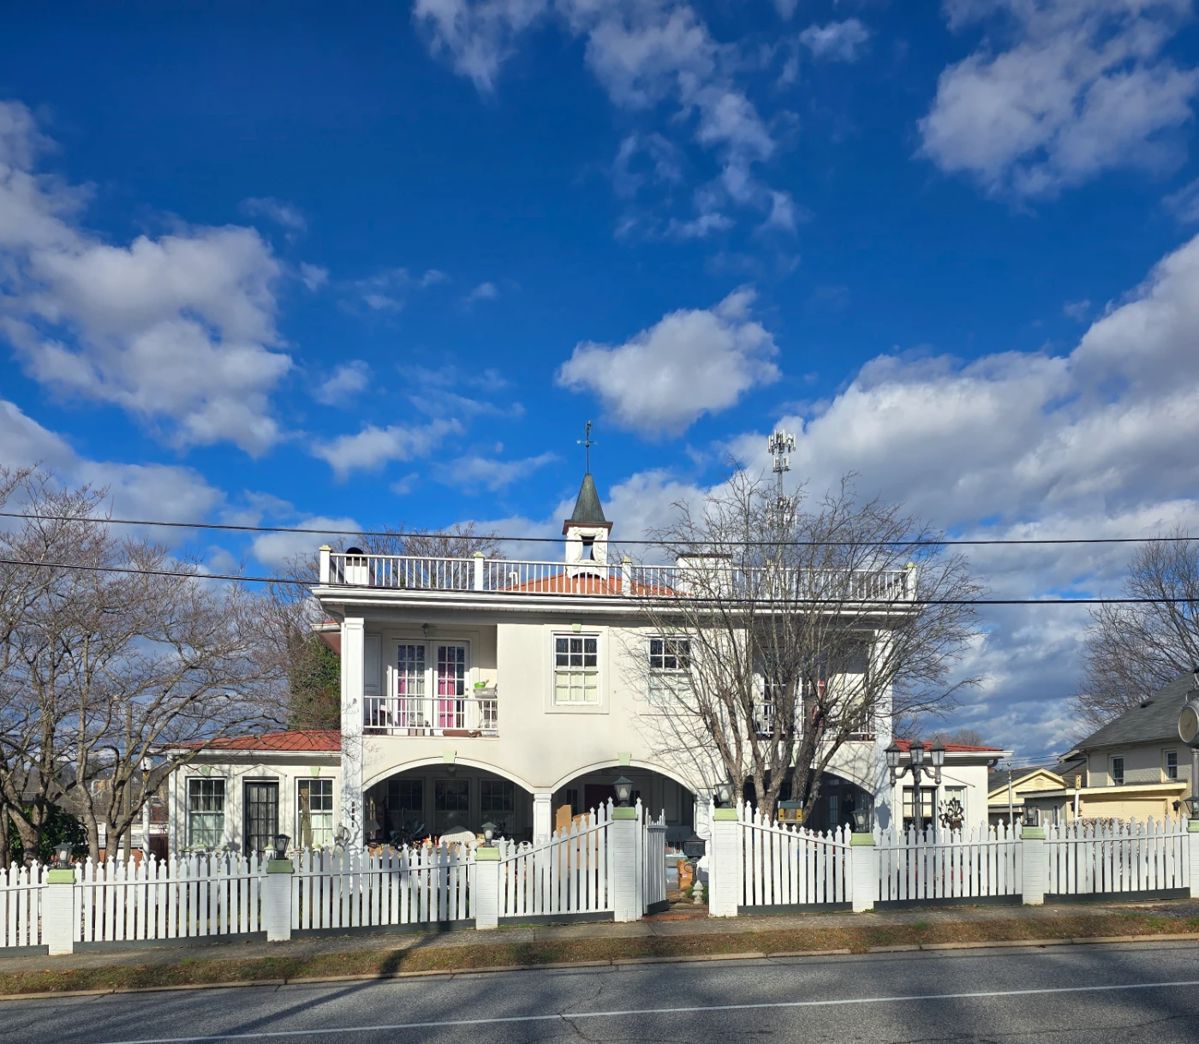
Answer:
(857, 937)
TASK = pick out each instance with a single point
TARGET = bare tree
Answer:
(1132, 650)
(789, 630)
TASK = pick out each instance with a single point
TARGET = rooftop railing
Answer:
(618, 580)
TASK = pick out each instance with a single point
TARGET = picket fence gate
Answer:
(1089, 857)
(572, 873)
(175, 898)
(652, 835)
(786, 865)
(424, 884)
(21, 892)
(979, 862)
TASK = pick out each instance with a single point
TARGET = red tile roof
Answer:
(950, 748)
(291, 740)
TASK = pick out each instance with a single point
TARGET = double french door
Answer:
(431, 685)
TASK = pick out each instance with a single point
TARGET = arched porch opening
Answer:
(428, 801)
(657, 791)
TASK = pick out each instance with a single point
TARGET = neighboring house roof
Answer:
(292, 740)
(997, 778)
(1152, 720)
(905, 745)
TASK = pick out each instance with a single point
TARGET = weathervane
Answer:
(586, 442)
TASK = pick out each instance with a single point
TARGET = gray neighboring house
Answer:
(1134, 767)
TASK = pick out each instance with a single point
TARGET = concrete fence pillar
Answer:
(863, 871)
(58, 911)
(623, 839)
(1033, 870)
(724, 870)
(486, 897)
(1193, 857)
(276, 900)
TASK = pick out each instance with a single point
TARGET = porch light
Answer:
(917, 750)
(488, 833)
(281, 841)
(624, 790)
(863, 814)
(724, 795)
(1032, 816)
(63, 853)
(1191, 804)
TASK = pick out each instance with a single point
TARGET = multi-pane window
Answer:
(927, 795)
(1118, 772)
(1171, 764)
(576, 668)
(314, 813)
(497, 803)
(430, 687)
(669, 662)
(205, 812)
(404, 812)
(451, 804)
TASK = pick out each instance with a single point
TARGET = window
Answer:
(205, 812)
(404, 812)
(451, 804)
(954, 814)
(1117, 772)
(497, 803)
(314, 813)
(926, 806)
(430, 688)
(576, 669)
(669, 662)
(260, 820)
(1171, 764)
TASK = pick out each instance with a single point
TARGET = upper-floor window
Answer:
(1170, 764)
(1118, 771)
(205, 812)
(428, 688)
(576, 668)
(669, 663)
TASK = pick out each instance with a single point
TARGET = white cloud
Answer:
(688, 363)
(286, 215)
(483, 292)
(490, 473)
(343, 384)
(478, 36)
(1077, 310)
(373, 446)
(313, 276)
(178, 330)
(786, 8)
(836, 41)
(388, 290)
(1079, 88)
(279, 550)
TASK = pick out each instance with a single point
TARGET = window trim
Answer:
(386, 702)
(1166, 764)
(1111, 769)
(588, 706)
(301, 780)
(666, 677)
(224, 782)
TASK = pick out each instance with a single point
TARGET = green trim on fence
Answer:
(856, 840)
(61, 875)
(1031, 833)
(624, 813)
(725, 815)
(279, 866)
(485, 854)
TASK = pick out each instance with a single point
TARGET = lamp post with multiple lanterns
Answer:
(919, 768)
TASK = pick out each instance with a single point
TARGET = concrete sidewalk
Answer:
(683, 920)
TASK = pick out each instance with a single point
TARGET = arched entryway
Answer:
(658, 793)
(437, 799)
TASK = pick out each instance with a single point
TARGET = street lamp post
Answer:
(919, 767)
(1188, 732)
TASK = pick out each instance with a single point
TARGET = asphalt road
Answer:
(1093, 994)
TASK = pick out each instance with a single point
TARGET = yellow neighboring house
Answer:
(1006, 789)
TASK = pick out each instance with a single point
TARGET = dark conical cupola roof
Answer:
(588, 509)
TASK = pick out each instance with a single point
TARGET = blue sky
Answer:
(290, 264)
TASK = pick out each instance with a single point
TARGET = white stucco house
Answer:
(478, 689)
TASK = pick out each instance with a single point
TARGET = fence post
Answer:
(1033, 869)
(863, 871)
(622, 836)
(486, 899)
(276, 900)
(58, 911)
(478, 577)
(1193, 857)
(724, 875)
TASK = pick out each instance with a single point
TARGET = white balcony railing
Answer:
(475, 714)
(624, 579)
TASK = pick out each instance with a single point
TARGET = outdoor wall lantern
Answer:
(724, 795)
(281, 842)
(1032, 816)
(63, 854)
(488, 833)
(624, 790)
(863, 816)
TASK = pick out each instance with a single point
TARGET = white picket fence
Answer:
(184, 897)
(1088, 857)
(571, 874)
(976, 863)
(21, 891)
(789, 866)
(653, 861)
(423, 884)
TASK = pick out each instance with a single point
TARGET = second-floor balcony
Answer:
(475, 713)
(625, 579)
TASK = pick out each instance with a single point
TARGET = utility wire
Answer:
(918, 542)
(129, 570)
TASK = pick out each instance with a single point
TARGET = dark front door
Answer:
(261, 814)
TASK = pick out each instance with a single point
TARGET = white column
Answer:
(543, 825)
(353, 668)
(486, 897)
(58, 911)
(1033, 868)
(276, 900)
(623, 839)
(478, 571)
(724, 871)
(863, 869)
(1193, 856)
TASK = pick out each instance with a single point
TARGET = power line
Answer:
(315, 531)
(240, 578)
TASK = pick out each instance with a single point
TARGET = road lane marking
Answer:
(571, 1016)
